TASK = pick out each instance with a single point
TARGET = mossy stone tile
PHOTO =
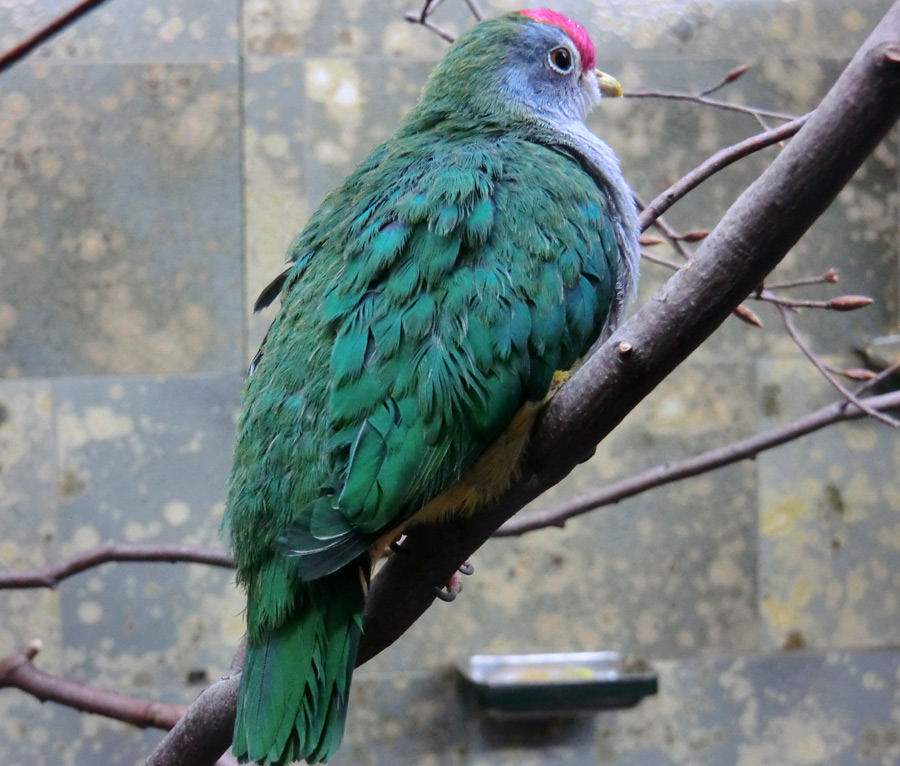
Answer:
(411, 718)
(121, 223)
(129, 30)
(352, 106)
(640, 28)
(28, 515)
(27, 474)
(146, 460)
(815, 708)
(33, 733)
(275, 141)
(358, 28)
(829, 523)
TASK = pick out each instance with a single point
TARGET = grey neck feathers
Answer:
(597, 159)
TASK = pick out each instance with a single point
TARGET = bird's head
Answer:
(522, 65)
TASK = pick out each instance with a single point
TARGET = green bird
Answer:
(426, 306)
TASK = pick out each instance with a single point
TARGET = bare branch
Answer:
(416, 18)
(682, 469)
(730, 77)
(829, 375)
(19, 672)
(476, 9)
(720, 160)
(660, 261)
(695, 99)
(829, 277)
(50, 575)
(46, 32)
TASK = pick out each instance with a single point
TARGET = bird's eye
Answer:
(561, 60)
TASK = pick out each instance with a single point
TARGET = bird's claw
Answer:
(444, 595)
(466, 568)
(454, 585)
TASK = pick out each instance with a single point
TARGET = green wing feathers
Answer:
(293, 694)
(430, 297)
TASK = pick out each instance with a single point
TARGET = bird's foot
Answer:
(455, 584)
(557, 382)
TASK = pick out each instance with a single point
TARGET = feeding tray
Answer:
(549, 684)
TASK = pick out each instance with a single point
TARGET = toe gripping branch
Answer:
(454, 585)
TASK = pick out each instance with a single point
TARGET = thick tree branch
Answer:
(50, 575)
(755, 234)
(710, 460)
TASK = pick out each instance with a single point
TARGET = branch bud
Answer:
(748, 316)
(849, 302)
(694, 236)
(736, 72)
(859, 373)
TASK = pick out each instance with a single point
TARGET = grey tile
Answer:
(417, 719)
(317, 28)
(829, 535)
(121, 223)
(28, 515)
(702, 29)
(835, 708)
(129, 30)
(353, 105)
(275, 141)
(146, 460)
(36, 734)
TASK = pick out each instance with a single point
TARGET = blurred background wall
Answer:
(156, 160)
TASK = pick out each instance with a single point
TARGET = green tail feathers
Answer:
(292, 701)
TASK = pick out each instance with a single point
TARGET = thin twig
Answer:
(693, 466)
(789, 303)
(427, 9)
(415, 18)
(50, 575)
(18, 671)
(730, 77)
(674, 238)
(720, 160)
(476, 9)
(660, 261)
(44, 33)
(880, 377)
(829, 277)
(851, 397)
(752, 111)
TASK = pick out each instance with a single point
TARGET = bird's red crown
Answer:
(573, 29)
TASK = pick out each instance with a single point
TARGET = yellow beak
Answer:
(609, 85)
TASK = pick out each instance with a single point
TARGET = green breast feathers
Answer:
(423, 309)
